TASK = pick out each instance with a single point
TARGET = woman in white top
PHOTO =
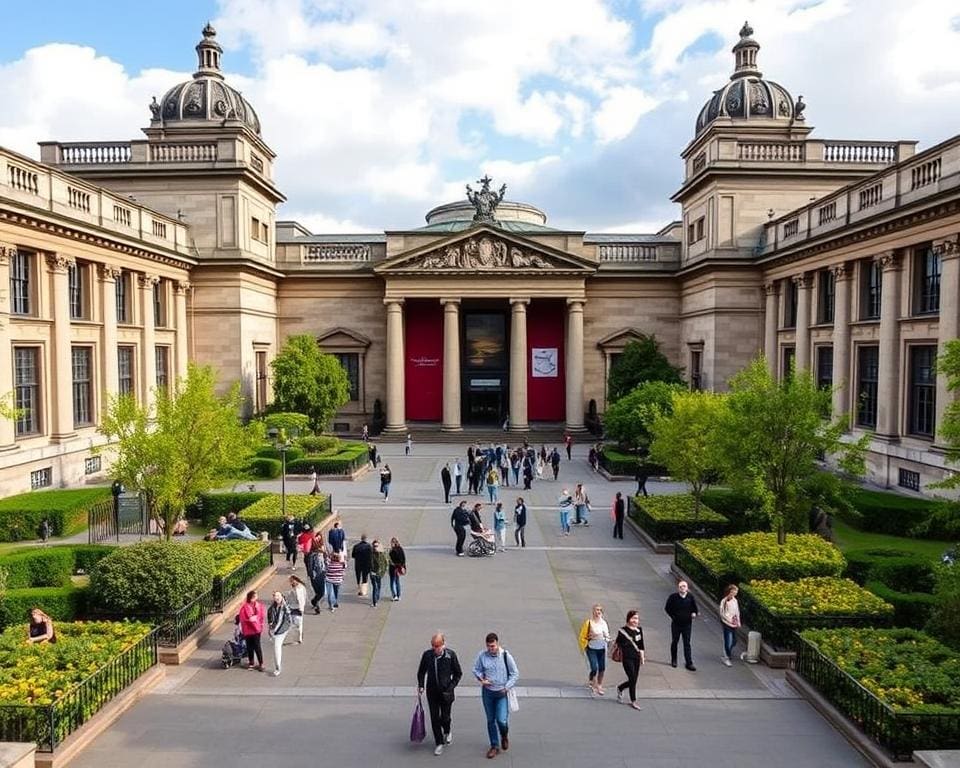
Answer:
(730, 621)
(594, 636)
(297, 602)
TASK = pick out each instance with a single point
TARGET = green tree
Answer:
(688, 440)
(640, 361)
(773, 436)
(628, 420)
(307, 380)
(945, 622)
(948, 364)
(195, 442)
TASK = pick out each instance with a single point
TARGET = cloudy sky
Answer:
(381, 109)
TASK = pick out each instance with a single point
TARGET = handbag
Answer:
(616, 654)
(418, 728)
(401, 570)
(513, 701)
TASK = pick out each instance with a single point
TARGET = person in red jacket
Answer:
(305, 541)
(252, 617)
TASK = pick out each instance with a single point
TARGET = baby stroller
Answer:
(233, 650)
(483, 544)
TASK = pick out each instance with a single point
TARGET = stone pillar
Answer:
(518, 366)
(841, 339)
(61, 357)
(7, 426)
(888, 390)
(108, 335)
(949, 251)
(772, 324)
(451, 365)
(574, 365)
(396, 412)
(180, 289)
(148, 345)
(802, 334)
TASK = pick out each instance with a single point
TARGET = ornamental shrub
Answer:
(315, 445)
(265, 468)
(46, 567)
(740, 510)
(86, 556)
(349, 457)
(267, 515)
(817, 596)
(21, 515)
(901, 570)
(228, 555)
(150, 578)
(210, 506)
(910, 609)
(945, 621)
(60, 603)
(889, 513)
(669, 518)
(749, 556)
(294, 452)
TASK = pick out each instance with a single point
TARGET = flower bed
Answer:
(900, 686)
(344, 461)
(237, 564)
(669, 518)
(778, 609)
(229, 555)
(50, 690)
(66, 510)
(266, 514)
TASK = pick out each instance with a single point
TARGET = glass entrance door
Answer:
(485, 406)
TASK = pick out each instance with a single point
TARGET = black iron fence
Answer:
(710, 582)
(127, 514)
(225, 587)
(901, 733)
(48, 725)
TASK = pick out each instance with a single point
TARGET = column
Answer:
(148, 346)
(888, 389)
(108, 335)
(396, 416)
(804, 282)
(180, 289)
(451, 365)
(841, 339)
(518, 365)
(61, 357)
(772, 324)
(7, 426)
(949, 251)
(574, 365)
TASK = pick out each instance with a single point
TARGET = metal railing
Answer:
(709, 581)
(48, 725)
(225, 587)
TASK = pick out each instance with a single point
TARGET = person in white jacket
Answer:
(297, 601)
(730, 621)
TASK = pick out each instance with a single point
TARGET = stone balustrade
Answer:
(771, 151)
(184, 152)
(335, 252)
(627, 253)
(87, 153)
(881, 152)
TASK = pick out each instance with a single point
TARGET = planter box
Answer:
(666, 531)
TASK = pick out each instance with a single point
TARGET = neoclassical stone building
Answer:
(838, 256)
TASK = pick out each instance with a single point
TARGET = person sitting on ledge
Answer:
(40, 628)
(227, 532)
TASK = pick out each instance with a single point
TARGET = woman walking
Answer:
(336, 565)
(386, 477)
(565, 502)
(594, 637)
(316, 565)
(619, 511)
(298, 604)
(278, 624)
(493, 483)
(289, 531)
(398, 567)
(252, 617)
(378, 567)
(500, 526)
(730, 620)
(629, 642)
(520, 521)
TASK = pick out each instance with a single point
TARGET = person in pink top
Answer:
(252, 617)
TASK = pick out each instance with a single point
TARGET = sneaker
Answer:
(276, 673)
(459, 554)
(316, 610)
(438, 750)
(251, 668)
(586, 524)
(636, 706)
(726, 661)
(600, 691)
(260, 668)
(448, 739)
(619, 696)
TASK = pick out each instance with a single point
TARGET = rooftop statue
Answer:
(485, 202)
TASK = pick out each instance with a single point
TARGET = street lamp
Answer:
(282, 443)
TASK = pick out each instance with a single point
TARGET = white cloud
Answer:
(619, 112)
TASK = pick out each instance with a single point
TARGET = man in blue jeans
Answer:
(497, 672)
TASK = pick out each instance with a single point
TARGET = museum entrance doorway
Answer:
(483, 366)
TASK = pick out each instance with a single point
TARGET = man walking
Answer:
(497, 672)
(409, 445)
(459, 521)
(439, 673)
(619, 511)
(682, 610)
(362, 554)
(446, 481)
(336, 537)
(457, 475)
(568, 442)
(555, 462)
(641, 476)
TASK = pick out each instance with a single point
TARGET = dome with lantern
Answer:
(748, 96)
(206, 98)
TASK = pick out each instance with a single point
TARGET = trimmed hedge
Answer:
(910, 609)
(46, 567)
(228, 555)
(66, 603)
(740, 510)
(625, 464)
(20, 516)
(316, 445)
(900, 570)
(669, 518)
(210, 506)
(294, 452)
(264, 468)
(348, 459)
(86, 556)
(889, 513)
(265, 515)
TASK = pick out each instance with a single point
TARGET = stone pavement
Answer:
(346, 694)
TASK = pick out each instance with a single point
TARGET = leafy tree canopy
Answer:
(640, 361)
(307, 380)
(949, 364)
(628, 420)
(291, 423)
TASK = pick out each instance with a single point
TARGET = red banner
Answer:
(423, 366)
(546, 382)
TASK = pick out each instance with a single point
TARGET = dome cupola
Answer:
(748, 96)
(206, 99)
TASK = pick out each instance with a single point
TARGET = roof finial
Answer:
(209, 53)
(745, 31)
(745, 54)
(209, 31)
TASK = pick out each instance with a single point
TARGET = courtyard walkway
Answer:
(346, 695)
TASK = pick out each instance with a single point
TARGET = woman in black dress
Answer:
(398, 567)
(629, 641)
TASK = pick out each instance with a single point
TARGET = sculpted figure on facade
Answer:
(485, 201)
(483, 253)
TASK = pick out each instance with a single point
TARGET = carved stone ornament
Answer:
(484, 252)
(7, 252)
(772, 288)
(889, 260)
(803, 280)
(485, 202)
(945, 249)
(182, 286)
(58, 262)
(148, 281)
(840, 272)
(109, 272)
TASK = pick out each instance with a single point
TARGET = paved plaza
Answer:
(347, 693)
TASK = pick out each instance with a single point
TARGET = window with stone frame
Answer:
(826, 296)
(160, 304)
(789, 360)
(926, 278)
(350, 362)
(26, 390)
(21, 282)
(162, 366)
(125, 368)
(922, 411)
(696, 368)
(77, 290)
(123, 297)
(261, 362)
(868, 374)
(824, 366)
(871, 286)
(791, 292)
(82, 367)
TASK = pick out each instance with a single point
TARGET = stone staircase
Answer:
(549, 434)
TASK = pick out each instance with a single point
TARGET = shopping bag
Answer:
(418, 729)
(512, 700)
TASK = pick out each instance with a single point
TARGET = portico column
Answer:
(888, 412)
(61, 358)
(7, 427)
(949, 252)
(771, 321)
(841, 339)
(180, 289)
(803, 322)
(451, 365)
(148, 357)
(108, 335)
(574, 365)
(518, 365)
(396, 416)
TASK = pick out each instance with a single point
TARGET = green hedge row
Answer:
(266, 515)
(671, 518)
(294, 452)
(317, 445)
(67, 603)
(625, 464)
(348, 459)
(210, 506)
(910, 609)
(66, 510)
(891, 513)
(900, 570)
(50, 566)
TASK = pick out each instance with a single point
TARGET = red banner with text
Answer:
(546, 382)
(423, 366)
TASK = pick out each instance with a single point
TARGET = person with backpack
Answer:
(278, 624)
(497, 673)
(628, 650)
(493, 484)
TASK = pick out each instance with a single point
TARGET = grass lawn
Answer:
(850, 538)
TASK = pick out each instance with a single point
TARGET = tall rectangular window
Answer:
(159, 304)
(26, 380)
(261, 381)
(82, 386)
(826, 298)
(75, 288)
(927, 279)
(923, 390)
(123, 297)
(868, 370)
(789, 356)
(790, 297)
(350, 361)
(825, 367)
(871, 284)
(21, 272)
(163, 367)
(696, 369)
(125, 370)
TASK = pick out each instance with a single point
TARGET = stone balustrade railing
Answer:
(627, 253)
(771, 151)
(881, 152)
(183, 153)
(95, 154)
(335, 252)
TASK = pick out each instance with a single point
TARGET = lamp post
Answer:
(281, 443)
